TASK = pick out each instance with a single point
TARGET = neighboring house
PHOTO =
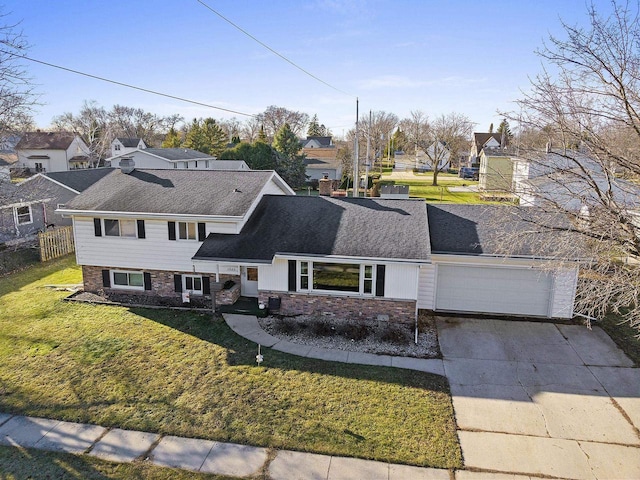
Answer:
(479, 142)
(168, 233)
(136, 233)
(437, 151)
(7, 161)
(122, 145)
(29, 207)
(321, 159)
(52, 152)
(176, 158)
(496, 170)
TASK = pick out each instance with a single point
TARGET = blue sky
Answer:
(470, 57)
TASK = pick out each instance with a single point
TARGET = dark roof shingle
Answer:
(179, 192)
(177, 153)
(45, 141)
(129, 142)
(348, 227)
(79, 180)
(497, 230)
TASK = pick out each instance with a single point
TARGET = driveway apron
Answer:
(537, 398)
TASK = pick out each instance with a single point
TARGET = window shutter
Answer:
(141, 232)
(147, 280)
(97, 227)
(177, 283)
(206, 286)
(106, 279)
(380, 280)
(172, 230)
(202, 231)
(292, 275)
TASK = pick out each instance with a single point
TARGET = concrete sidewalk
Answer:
(247, 326)
(205, 456)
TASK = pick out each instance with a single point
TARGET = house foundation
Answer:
(351, 308)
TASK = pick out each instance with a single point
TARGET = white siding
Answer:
(272, 189)
(426, 287)
(155, 252)
(274, 277)
(401, 281)
(564, 290)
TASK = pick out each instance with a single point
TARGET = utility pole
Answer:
(368, 160)
(356, 154)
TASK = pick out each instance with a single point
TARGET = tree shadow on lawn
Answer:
(241, 351)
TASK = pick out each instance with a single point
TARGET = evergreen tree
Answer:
(172, 140)
(206, 136)
(505, 131)
(262, 137)
(291, 165)
(314, 130)
(258, 156)
(491, 128)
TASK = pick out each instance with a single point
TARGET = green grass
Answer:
(186, 374)
(21, 463)
(623, 335)
(420, 187)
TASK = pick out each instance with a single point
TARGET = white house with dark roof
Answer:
(122, 145)
(166, 233)
(52, 152)
(136, 232)
(176, 158)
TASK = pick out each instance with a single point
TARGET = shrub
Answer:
(287, 326)
(353, 331)
(396, 334)
(322, 327)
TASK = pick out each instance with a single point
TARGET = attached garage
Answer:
(500, 290)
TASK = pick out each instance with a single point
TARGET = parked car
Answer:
(471, 173)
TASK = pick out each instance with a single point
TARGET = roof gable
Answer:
(129, 142)
(324, 226)
(78, 180)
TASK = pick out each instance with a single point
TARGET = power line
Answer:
(272, 50)
(122, 84)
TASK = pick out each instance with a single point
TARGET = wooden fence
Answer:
(56, 243)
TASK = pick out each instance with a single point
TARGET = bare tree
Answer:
(440, 139)
(274, 118)
(250, 129)
(92, 125)
(231, 127)
(588, 113)
(378, 131)
(17, 94)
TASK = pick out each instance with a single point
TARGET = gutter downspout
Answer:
(417, 298)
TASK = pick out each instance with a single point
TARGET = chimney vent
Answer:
(127, 165)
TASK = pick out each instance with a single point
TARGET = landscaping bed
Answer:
(379, 337)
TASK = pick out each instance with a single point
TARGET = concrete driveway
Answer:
(542, 399)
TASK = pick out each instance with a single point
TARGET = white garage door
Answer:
(493, 290)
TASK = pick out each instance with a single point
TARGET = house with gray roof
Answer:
(52, 152)
(123, 145)
(30, 206)
(175, 158)
(182, 235)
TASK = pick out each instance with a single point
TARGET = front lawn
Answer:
(186, 374)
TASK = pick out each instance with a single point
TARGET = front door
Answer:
(249, 283)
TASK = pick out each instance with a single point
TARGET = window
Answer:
(252, 274)
(192, 284)
(186, 230)
(39, 167)
(123, 228)
(338, 277)
(23, 215)
(341, 277)
(367, 279)
(304, 275)
(132, 280)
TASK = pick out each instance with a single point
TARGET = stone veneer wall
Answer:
(399, 311)
(162, 286)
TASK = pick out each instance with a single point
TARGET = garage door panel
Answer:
(493, 290)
